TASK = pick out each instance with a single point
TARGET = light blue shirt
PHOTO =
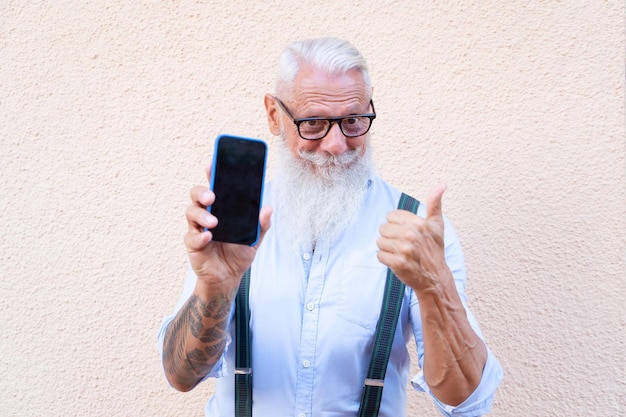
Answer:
(313, 321)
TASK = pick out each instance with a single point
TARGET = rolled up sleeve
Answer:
(480, 401)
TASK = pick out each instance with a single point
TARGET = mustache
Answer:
(328, 161)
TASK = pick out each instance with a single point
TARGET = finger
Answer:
(201, 196)
(401, 217)
(208, 170)
(385, 245)
(382, 258)
(195, 241)
(393, 229)
(265, 218)
(433, 202)
(199, 219)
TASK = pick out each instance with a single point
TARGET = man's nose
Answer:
(335, 141)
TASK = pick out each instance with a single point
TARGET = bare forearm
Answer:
(195, 340)
(454, 355)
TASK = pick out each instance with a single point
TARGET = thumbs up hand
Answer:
(413, 247)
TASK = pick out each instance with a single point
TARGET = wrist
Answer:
(439, 285)
(217, 288)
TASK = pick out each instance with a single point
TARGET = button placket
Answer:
(310, 326)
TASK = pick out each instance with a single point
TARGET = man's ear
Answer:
(273, 114)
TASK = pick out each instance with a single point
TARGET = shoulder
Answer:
(381, 193)
(385, 195)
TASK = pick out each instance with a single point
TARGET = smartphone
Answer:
(237, 179)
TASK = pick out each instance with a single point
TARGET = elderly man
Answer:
(318, 274)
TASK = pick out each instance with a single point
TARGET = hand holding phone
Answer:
(237, 180)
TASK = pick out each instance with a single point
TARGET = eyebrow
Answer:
(354, 113)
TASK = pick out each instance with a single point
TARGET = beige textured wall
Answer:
(108, 110)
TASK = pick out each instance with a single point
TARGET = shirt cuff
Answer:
(480, 401)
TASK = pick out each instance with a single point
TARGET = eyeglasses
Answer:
(315, 128)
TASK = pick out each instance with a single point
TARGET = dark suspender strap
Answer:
(243, 367)
(408, 203)
(385, 330)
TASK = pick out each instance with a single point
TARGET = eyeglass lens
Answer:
(350, 126)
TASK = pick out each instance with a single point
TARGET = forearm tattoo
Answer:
(207, 324)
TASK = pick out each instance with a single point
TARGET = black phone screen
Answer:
(237, 180)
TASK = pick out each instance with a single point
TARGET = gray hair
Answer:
(333, 55)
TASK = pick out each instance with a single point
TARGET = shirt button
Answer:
(301, 415)
(306, 363)
(306, 256)
(310, 306)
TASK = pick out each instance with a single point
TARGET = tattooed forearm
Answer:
(195, 340)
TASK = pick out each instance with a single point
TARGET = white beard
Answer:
(318, 196)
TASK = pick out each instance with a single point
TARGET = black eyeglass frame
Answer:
(330, 120)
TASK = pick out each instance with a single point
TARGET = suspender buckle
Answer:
(374, 382)
(243, 371)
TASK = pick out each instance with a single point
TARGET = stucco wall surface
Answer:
(108, 111)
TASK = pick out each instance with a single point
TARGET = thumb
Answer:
(265, 222)
(433, 202)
